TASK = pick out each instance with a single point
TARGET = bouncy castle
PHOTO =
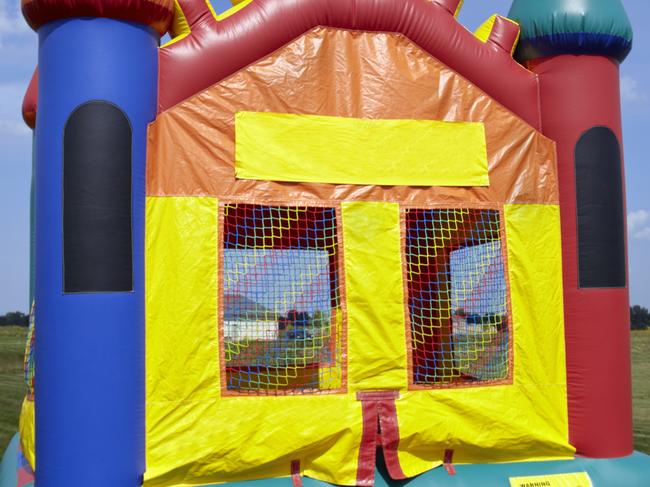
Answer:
(313, 242)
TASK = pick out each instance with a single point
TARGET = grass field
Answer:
(641, 389)
(12, 343)
(12, 386)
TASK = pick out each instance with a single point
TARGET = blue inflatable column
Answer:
(97, 93)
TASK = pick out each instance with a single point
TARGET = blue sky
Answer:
(478, 283)
(18, 51)
(279, 280)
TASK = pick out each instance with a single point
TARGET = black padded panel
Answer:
(599, 192)
(97, 246)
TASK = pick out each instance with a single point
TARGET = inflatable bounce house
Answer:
(311, 242)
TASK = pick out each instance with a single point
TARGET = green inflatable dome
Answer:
(551, 27)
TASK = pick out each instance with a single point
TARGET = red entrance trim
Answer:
(449, 466)
(379, 413)
(368, 447)
(390, 438)
(296, 479)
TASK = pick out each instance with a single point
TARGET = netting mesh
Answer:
(28, 361)
(457, 296)
(282, 319)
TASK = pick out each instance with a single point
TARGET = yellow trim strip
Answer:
(375, 296)
(458, 9)
(180, 28)
(238, 5)
(336, 150)
(211, 8)
(182, 359)
(485, 30)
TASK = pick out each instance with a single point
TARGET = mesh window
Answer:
(282, 319)
(457, 296)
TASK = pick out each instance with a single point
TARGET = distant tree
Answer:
(321, 319)
(299, 319)
(283, 323)
(639, 318)
(460, 312)
(14, 318)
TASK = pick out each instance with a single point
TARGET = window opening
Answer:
(282, 320)
(457, 296)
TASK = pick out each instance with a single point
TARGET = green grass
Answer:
(12, 386)
(641, 389)
(12, 389)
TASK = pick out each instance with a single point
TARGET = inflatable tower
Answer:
(97, 93)
(572, 45)
(327, 242)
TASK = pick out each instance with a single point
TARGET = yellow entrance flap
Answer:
(337, 150)
(577, 479)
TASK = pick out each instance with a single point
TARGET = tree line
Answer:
(639, 318)
(14, 318)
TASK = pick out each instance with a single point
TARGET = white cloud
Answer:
(11, 127)
(18, 46)
(637, 219)
(638, 224)
(12, 93)
(11, 98)
(631, 91)
(12, 23)
(643, 234)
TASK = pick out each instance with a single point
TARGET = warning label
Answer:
(576, 479)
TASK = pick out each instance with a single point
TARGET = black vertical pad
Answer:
(599, 192)
(97, 247)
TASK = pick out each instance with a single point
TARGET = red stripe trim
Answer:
(23, 478)
(380, 427)
(296, 479)
(157, 14)
(24, 473)
(390, 438)
(367, 449)
(377, 395)
(449, 467)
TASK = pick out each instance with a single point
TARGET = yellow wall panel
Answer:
(375, 296)
(243, 438)
(181, 305)
(195, 435)
(27, 429)
(535, 271)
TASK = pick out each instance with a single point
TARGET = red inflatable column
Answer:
(581, 94)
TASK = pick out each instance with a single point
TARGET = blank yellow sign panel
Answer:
(577, 479)
(337, 150)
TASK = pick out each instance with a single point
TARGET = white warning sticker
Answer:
(576, 479)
